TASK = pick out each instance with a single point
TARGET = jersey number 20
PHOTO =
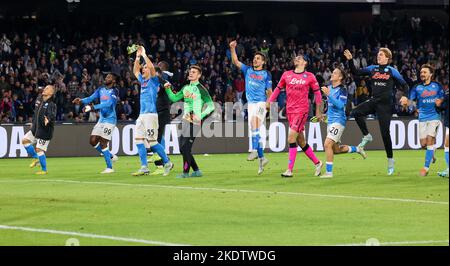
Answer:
(334, 131)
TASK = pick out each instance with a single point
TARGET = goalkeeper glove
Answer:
(132, 48)
(314, 119)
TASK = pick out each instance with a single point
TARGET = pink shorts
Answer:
(297, 121)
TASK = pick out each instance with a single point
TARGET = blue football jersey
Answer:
(337, 101)
(425, 96)
(256, 84)
(149, 93)
(107, 106)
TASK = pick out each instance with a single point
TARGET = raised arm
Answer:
(359, 72)
(173, 97)
(148, 62)
(137, 63)
(234, 57)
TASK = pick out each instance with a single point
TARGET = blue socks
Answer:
(352, 149)
(256, 145)
(107, 156)
(163, 143)
(98, 147)
(43, 161)
(260, 152)
(329, 167)
(429, 156)
(142, 151)
(31, 151)
(159, 149)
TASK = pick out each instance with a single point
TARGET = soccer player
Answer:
(425, 95)
(42, 128)
(258, 87)
(383, 78)
(337, 100)
(102, 132)
(146, 130)
(195, 96)
(163, 108)
(443, 106)
(298, 83)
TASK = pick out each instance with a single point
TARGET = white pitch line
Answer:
(95, 236)
(231, 190)
(151, 242)
(401, 243)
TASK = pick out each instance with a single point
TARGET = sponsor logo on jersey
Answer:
(427, 93)
(378, 75)
(380, 84)
(296, 81)
(257, 77)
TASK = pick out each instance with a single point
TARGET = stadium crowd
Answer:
(77, 67)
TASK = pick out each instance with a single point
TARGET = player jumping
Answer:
(102, 132)
(383, 78)
(298, 83)
(195, 96)
(426, 94)
(258, 87)
(337, 99)
(42, 128)
(146, 130)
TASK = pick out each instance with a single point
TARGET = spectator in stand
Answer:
(229, 95)
(362, 92)
(30, 60)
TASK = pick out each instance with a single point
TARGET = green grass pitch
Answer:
(230, 205)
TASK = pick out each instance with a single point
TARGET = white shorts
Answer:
(257, 109)
(446, 131)
(40, 143)
(103, 130)
(147, 127)
(428, 128)
(335, 132)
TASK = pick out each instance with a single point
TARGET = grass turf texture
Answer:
(159, 211)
